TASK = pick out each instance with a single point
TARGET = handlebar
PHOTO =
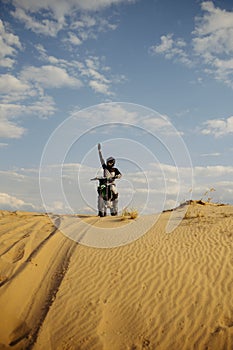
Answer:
(99, 178)
(103, 178)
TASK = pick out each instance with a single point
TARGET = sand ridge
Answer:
(162, 291)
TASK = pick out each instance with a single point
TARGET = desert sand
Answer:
(163, 291)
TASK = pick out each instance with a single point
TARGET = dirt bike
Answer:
(107, 198)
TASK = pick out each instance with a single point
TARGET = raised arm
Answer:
(100, 154)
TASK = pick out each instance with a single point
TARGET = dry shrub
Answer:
(193, 214)
(129, 214)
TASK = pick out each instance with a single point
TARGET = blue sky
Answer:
(164, 66)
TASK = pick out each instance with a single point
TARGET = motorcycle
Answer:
(107, 198)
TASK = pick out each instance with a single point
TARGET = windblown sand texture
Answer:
(164, 291)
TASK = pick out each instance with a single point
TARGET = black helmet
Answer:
(110, 161)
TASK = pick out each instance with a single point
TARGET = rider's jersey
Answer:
(110, 172)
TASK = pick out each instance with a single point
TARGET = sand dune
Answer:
(162, 291)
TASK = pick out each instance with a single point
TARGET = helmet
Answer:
(110, 161)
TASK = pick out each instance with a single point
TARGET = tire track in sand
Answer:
(25, 248)
(37, 282)
(32, 290)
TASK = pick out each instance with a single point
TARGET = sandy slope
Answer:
(163, 291)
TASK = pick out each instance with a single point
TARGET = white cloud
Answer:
(213, 41)
(8, 129)
(24, 94)
(214, 154)
(9, 43)
(92, 71)
(46, 26)
(218, 177)
(87, 26)
(213, 19)
(166, 44)
(53, 16)
(11, 84)
(64, 7)
(99, 87)
(50, 77)
(3, 144)
(9, 202)
(74, 39)
(218, 127)
(116, 113)
(213, 171)
(20, 190)
(107, 112)
(172, 49)
(91, 5)
(43, 107)
(156, 123)
(211, 46)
